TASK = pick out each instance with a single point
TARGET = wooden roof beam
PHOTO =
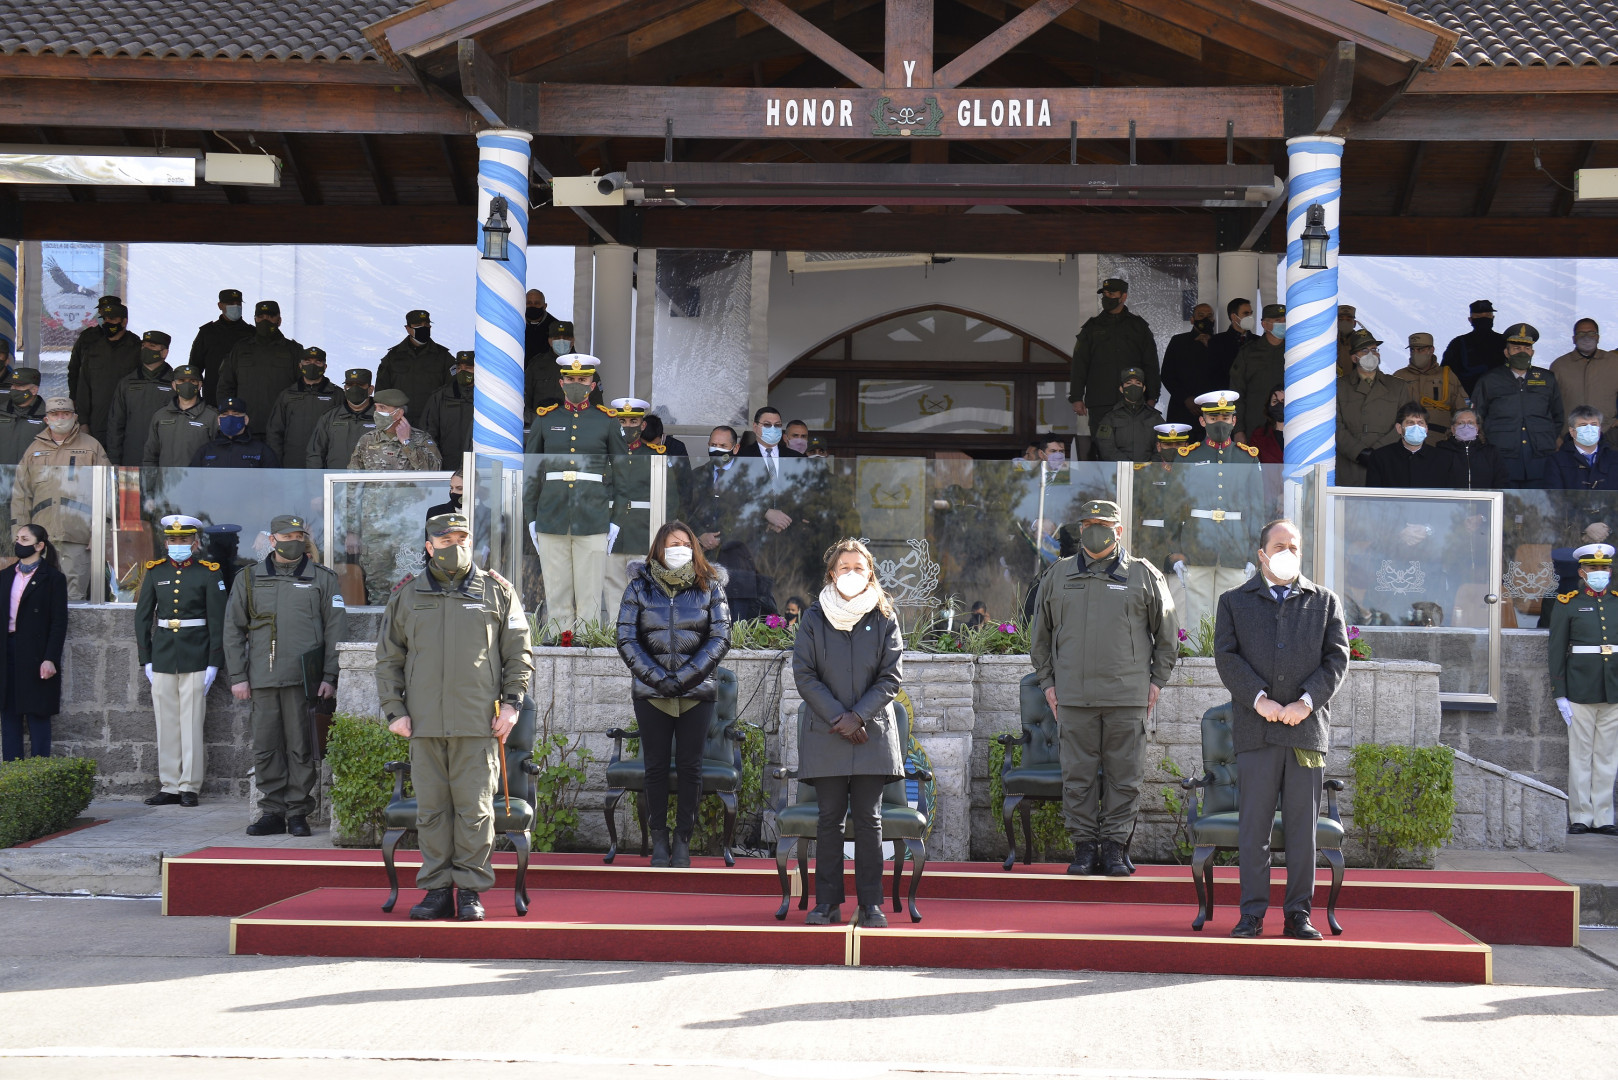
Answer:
(1407, 191)
(1491, 181)
(907, 58)
(308, 190)
(1002, 41)
(385, 193)
(1564, 197)
(581, 25)
(817, 41)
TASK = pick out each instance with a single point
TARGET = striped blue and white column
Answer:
(1315, 175)
(8, 294)
(497, 397)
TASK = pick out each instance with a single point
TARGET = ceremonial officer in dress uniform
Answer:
(179, 634)
(1105, 643)
(280, 611)
(23, 417)
(452, 667)
(1170, 437)
(1584, 678)
(632, 509)
(569, 495)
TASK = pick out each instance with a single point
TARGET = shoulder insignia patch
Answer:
(543, 409)
(1563, 598)
(1253, 450)
(210, 565)
(656, 449)
(155, 563)
(1184, 450)
(495, 574)
(407, 579)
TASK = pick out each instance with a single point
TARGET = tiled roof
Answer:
(1527, 33)
(194, 29)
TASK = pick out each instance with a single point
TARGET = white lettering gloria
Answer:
(809, 112)
(1003, 112)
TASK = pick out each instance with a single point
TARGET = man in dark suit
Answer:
(1281, 649)
(1412, 462)
(767, 429)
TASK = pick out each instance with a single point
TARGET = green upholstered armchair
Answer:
(721, 768)
(903, 824)
(516, 822)
(1213, 824)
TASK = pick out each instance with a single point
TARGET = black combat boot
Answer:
(268, 825)
(681, 856)
(298, 825)
(824, 915)
(1112, 860)
(1084, 859)
(437, 904)
(469, 908)
(660, 847)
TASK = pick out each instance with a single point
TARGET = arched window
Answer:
(928, 379)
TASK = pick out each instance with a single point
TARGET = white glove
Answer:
(208, 677)
(1179, 572)
(533, 535)
(148, 674)
(612, 536)
(1565, 707)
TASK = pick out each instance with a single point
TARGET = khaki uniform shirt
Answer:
(1439, 391)
(54, 485)
(1592, 382)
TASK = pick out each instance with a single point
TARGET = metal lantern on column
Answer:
(496, 233)
(1314, 239)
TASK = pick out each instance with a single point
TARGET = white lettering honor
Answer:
(772, 112)
(845, 118)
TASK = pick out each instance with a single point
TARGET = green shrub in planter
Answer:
(358, 748)
(1404, 801)
(42, 795)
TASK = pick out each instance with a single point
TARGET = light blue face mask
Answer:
(1587, 434)
(1415, 434)
(769, 435)
(1279, 330)
(1598, 579)
(180, 552)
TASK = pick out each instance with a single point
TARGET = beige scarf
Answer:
(844, 614)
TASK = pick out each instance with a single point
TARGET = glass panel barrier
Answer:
(1541, 529)
(377, 529)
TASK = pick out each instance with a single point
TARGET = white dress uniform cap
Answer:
(1172, 429)
(1223, 400)
(1594, 553)
(171, 520)
(634, 404)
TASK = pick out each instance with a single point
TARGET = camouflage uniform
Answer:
(379, 545)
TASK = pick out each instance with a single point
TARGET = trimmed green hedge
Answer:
(1404, 801)
(42, 795)
(358, 748)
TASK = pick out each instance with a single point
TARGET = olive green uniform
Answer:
(1258, 369)
(448, 657)
(1108, 344)
(277, 613)
(212, 344)
(380, 545)
(1126, 432)
(1587, 621)
(632, 510)
(177, 434)
(18, 428)
(256, 370)
(192, 592)
(448, 419)
(297, 411)
(336, 433)
(569, 497)
(93, 372)
(418, 370)
(1366, 410)
(138, 397)
(1104, 632)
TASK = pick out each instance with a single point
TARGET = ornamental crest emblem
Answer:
(911, 581)
(1390, 579)
(907, 120)
(1522, 583)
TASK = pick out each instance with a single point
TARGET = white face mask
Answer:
(850, 583)
(1370, 361)
(1284, 565)
(1245, 323)
(676, 557)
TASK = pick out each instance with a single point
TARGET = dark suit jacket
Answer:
(1393, 466)
(752, 450)
(1567, 470)
(1285, 651)
(1473, 466)
(41, 633)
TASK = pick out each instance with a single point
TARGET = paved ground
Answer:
(95, 985)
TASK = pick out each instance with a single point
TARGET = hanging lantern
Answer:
(496, 233)
(1315, 239)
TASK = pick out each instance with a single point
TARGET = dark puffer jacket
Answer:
(684, 636)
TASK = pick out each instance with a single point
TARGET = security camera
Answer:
(611, 183)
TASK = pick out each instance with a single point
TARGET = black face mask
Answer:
(455, 499)
(536, 314)
(1203, 326)
(424, 334)
(312, 372)
(717, 456)
(264, 328)
(1483, 324)
(1277, 412)
(187, 390)
(356, 395)
(1219, 431)
(1111, 303)
(1096, 538)
(24, 551)
(1133, 393)
(465, 377)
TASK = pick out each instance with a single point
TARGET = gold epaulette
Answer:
(1139, 465)
(1253, 450)
(1563, 598)
(1184, 450)
(155, 563)
(209, 565)
(609, 411)
(657, 449)
(543, 409)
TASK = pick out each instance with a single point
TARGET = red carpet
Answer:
(684, 927)
(1501, 909)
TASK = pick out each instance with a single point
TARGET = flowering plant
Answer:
(566, 640)
(1358, 647)
(774, 622)
(771, 632)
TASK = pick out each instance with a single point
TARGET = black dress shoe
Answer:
(169, 798)
(873, 917)
(824, 915)
(188, 798)
(680, 856)
(1248, 926)
(1112, 860)
(437, 904)
(1606, 830)
(469, 908)
(268, 825)
(298, 825)
(1577, 828)
(1084, 859)
(1298, 926)
(660, 847)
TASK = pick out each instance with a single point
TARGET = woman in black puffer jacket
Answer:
(673, 629)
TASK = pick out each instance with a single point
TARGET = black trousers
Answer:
(13, 722)
(861, 798)
(1265, 775)
(663, 737)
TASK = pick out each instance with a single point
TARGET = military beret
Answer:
(439, 524)
(417, 317)
(1100, 510)
(232, 404)
(285, 523)
(267, 307)
(186, 371)
(156, 337)
(230, 296)
(1114, 284)
(562, 329)
(59, 404)
(1421, 341)
(357, 376)
(1481, 307)
(1521, 334)
(467, 356)
(393, 399)
(1274, 311)
(25, 376)
(109, 304)
(315, 352)
(1362, 339)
